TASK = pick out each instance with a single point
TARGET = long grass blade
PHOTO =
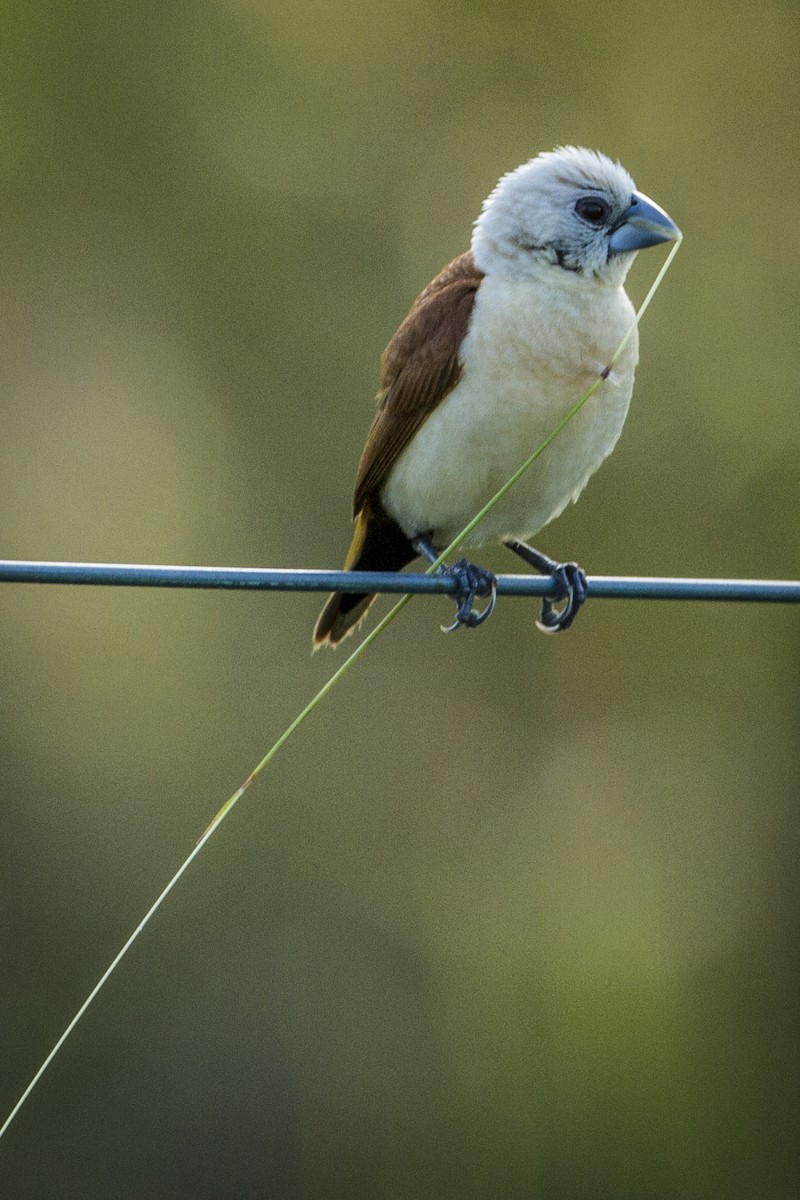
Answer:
(326, 688)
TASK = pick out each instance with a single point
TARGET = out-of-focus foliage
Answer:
(513, 916)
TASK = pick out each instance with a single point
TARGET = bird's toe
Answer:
(559, 611)
(472, 581)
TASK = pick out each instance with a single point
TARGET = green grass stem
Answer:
(330, 684)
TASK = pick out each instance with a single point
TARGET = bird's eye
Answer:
(590, 209)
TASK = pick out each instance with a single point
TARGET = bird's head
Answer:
(571, 210)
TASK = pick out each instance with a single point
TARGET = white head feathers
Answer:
(530, 222)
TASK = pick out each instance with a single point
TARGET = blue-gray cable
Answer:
(609, 587)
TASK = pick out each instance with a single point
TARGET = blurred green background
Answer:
(512, 916)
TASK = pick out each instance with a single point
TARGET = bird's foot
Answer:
(472, 582)
(558, 611)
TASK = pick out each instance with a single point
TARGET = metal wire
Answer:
(610, 587)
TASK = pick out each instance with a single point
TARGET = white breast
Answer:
(531, 352)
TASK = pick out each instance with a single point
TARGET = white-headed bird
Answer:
(492, 355)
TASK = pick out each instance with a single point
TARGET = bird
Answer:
(492, 355)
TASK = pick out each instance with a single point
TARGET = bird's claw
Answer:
(571, 581)
(560, 610)
(472, 582)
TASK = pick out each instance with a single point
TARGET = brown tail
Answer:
(378, 545)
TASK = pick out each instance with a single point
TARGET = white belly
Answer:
(528, 357)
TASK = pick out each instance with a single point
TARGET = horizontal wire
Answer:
(609, 587)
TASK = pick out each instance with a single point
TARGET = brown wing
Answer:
(419, 367)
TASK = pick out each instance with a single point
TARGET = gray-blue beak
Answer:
(642, 224)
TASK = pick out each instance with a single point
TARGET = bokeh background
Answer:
(512, 916)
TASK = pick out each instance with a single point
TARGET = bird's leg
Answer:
(472, 581)
(571, 580)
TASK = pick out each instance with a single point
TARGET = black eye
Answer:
(590, 209)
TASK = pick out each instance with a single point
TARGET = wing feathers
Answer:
(419, 367)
